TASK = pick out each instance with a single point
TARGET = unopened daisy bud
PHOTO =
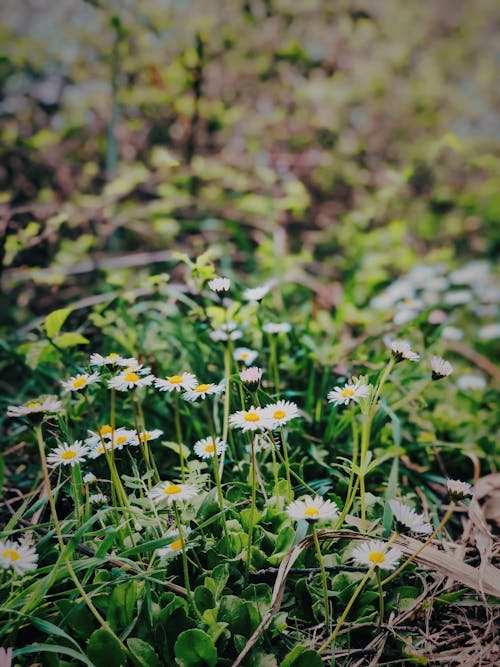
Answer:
(89, 478)
(220, 285)
(458, 490)
(251, 377)
(440, 368)
(98, 499)
(401, 350)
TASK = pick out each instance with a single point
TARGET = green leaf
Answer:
(122, 605)
(143, 654)
(300, 656)
(70, 339)
(55, 320)
(194, 648)
(52, 648)
(105, 650)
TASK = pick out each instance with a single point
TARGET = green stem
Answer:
(287, 463)
(380, 598)
(76, 482)
(253, 501)
(443, 521)
(323, 576)
(178, 432)
(184, 561)
(57, 527)
(274, 364)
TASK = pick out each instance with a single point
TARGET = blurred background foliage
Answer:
(332, 144)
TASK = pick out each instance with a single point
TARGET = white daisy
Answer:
(207, 447)
(99, 449)
(145, 436)
(122, 438)
(452, 333)
(376, 553)
(130, 379)
(171, 492)
(245, 355)
(19, 556)
(203, 390)
(221, 334)
(220, 284)
(349, 392)
(312, 509)
(489, 331)
(175, 546)
(281, 412)
(35, 407)
(94, 438)
(277, 327)
(80, 381)
(401, 349)
(407, 520)
(458, 297)
(458, 490)
(89, 478)
(98, 499)
(471, 382)
(113, 359)
(251, 377)
(183, 381)
(68, 454)
(253, 419)
(256, 293)
(440, 368)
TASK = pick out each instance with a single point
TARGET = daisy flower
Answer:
(245, 355)
(113, 359)
(98, 499)
(489, 331)
(407, 520)
(130, 379)
(68, 454)
(458, 490)
(220, 284)
(401, 349)
(207, 447)
(172, 492)
(349, 392)
(175, 546)
(89, 478)
(99, 449)
(452, 333)
(250, 420)
(471, 382)
(440, 368)
(20, 557)
(94, 438)
(251, 377)
(123, 437)
(183, 381)
(281, 412)
(203, 390)
(376, 553)
(312, 509)
(80, 381)
(145, 436)
(221, 334)
(35, 407)
(256, 293)
(277, 327)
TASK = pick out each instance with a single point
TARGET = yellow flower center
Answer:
(105, 430)
(10, 554)
(175, 379)
(346, 393)
(210, 449)
(79, 383)
(100, 449)
(311, 511)
(376, 557)
(251, 417)
(145, 436)
(131, 377)
(202, 387)
(244, 355)
(113, 355)
(121, 440)
(32, 406)
(176, 545)
(68, 455)
(172, 489)
(279, 414)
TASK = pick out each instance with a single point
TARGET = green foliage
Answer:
(104, 649)
(194, 648)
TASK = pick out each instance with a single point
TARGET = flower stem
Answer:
(184, 560)
(253, 485)
(323, 577)
(287, 463)
(380, 598)
(62, 546)
(178, 432)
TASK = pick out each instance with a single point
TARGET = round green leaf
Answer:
(194, 648)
